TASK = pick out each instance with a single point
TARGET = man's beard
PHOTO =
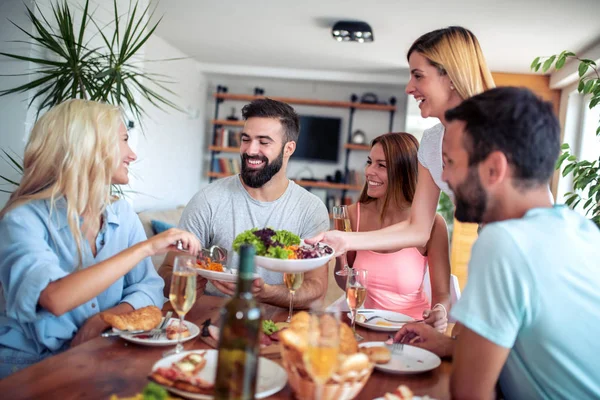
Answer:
(470, 198)
(256, 178)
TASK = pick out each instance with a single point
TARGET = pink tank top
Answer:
(395, 280)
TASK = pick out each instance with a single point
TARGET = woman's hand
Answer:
(336, 239)
(167, 241)
(91, 329)
(437, 318)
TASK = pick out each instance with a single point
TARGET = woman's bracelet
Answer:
(440, 305)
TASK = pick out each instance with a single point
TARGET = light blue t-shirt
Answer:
(37, 248)
(534, 287)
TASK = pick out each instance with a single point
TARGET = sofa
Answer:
(172, 216)
(169, 216)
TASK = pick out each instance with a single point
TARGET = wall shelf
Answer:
(353, 146)
(226, 122)
(314, 184)
(308, 102)
(224, 149)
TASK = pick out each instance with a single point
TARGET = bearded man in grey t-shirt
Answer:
(261, 196)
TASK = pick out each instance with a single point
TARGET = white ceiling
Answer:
(297, 33)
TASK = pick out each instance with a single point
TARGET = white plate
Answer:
(271, 376)
(219, 276)
(370, 312)
(295, 266)
(162, 340)
(413, 398)
(411, 360)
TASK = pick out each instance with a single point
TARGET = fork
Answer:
(390, 320)
(162, 326)
(397, 347)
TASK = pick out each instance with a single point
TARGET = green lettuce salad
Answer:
(268, 242)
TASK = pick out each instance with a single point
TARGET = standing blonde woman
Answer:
(446, 67)
(68, 249)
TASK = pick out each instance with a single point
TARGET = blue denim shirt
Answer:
(36, 248)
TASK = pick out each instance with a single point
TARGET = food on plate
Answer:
(279, 244)
(402, 392)
(209, 265)
(152, 391)
(360, 317)
(377, 354)
(294, 340)
(173, 329)
(269, 327)
(269, 335)
(384, 323)
(182, 374)
(145, 318)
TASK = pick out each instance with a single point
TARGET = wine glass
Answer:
(292, 282)
(183, 292)
(341, 222)
(356, 292)
(321, 355)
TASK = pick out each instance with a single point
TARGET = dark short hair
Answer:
(269, 108)
(515, 122)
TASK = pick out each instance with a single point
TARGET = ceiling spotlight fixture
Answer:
(355, 31)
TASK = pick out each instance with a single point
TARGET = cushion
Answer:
(160, 226)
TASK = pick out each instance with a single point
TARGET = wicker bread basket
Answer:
(337, 388)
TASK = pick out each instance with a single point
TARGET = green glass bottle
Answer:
(237, 366)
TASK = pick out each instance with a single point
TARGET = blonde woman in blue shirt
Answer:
(68, 249)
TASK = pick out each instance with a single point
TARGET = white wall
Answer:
(373, 123)
(13, 108)
(169, 167)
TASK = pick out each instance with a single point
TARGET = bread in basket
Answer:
(353, 371)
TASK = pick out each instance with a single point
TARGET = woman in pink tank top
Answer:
(396, 278)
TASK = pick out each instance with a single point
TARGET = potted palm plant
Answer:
(75, 69)
(586, 173)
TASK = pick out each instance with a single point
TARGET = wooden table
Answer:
(105, 366)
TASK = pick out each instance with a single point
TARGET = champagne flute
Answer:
(321, 355)
(293, 283)
(356, 292)
(341, 222)
(183, 292)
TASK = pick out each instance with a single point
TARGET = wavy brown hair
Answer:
(400, 150)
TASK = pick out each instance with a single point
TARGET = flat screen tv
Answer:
(319, 139)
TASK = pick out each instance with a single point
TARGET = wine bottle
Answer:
(237, 364)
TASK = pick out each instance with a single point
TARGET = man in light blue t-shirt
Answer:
(530, 313)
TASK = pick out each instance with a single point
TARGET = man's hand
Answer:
(426, 337)
(92, 328)
(335, 239)
(228, 288)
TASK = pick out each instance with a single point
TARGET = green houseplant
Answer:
(586, 173)
(75, 69)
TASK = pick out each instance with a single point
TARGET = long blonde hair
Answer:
(72, 153)
(455, 51)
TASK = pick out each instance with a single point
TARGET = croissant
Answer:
(145, 318)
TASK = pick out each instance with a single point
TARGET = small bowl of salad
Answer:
(283, 251)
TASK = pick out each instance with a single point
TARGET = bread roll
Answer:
(354, 362)
(378, 355)
(348, 343)
(142, 319)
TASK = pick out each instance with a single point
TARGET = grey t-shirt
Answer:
(222, 210)
(430, 156)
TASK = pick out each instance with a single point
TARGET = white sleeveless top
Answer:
(430, 156)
